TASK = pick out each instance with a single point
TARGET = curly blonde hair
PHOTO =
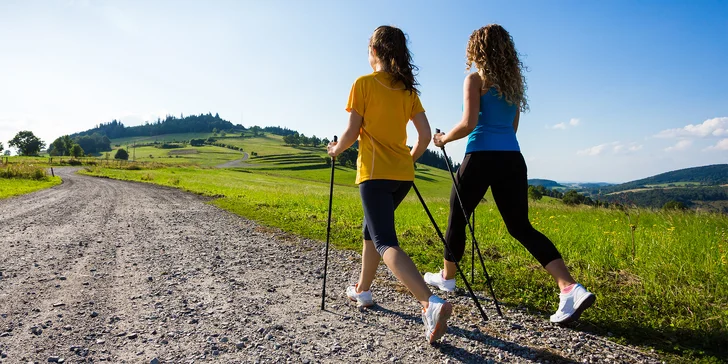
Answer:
(492, 51)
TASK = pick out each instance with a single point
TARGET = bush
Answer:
(674, 205)
(197, 142)
(121, 154)
(74, 162)
(327, 160)
(534, 193)
(572, 197)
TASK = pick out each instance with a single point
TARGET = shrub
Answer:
(74, 162)
(121, 154)
(674, 205)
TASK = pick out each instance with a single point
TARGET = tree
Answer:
(534, 193)
(27, 143)
(1, 147)
(325, 141)
(572, 197)
(7, 152)
(348, 157)
(62, 146)
(77, 151)
(121, 154)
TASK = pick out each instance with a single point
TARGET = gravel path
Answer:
(102, 270)
(236, 163)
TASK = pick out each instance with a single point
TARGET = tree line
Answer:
(203, 123)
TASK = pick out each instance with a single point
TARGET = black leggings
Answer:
(505, 172)
(379, 198)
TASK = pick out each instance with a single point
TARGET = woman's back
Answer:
(494, 131)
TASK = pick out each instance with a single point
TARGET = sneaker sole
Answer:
(361, 304)
(587, 302)
(441, 325)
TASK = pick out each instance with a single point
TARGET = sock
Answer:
(568, 289)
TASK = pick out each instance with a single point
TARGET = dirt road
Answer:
(236, 163)
(103, 270)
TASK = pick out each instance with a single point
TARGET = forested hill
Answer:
(712, 175)
(544, 182)
(170, 125)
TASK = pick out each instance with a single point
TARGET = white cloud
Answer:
(680, 146)
(721, 145)
(597, 149)
(712, 127)
(615, 147)
(564, 125)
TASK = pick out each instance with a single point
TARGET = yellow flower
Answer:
(551, 217)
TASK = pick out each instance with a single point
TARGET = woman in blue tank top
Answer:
(494, 96)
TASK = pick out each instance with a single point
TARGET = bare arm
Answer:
(471, 109)
(424, 132)
(349, 136)
(515, 121)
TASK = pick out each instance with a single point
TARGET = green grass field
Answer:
(17, 186)
(207, 156)
(671, 296)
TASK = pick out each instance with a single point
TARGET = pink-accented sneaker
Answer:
(435, 318)
(572, 304)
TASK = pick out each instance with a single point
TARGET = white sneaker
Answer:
(436, 279)
(572, 304)
(435, 318)
(362, 299)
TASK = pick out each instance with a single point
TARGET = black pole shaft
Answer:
(472, 255)
(472, 230)
(439, 233)
(328, 231)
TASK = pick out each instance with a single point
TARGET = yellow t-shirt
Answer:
(383, 151)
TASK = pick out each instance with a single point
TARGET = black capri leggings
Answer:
(505, 172)
(380, 198)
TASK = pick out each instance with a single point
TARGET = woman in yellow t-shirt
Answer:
(380, 106)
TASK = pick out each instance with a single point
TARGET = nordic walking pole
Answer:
(447, 247)
(472, 255)
(328, 230)
(472, 229)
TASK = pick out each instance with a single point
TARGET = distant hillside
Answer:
(713, 175)
(544, 182)
(170, 125)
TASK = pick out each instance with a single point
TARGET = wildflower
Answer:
(551, 217)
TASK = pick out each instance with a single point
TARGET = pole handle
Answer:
(437, 131)
(336, 139)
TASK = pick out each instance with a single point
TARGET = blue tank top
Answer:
(495, 125)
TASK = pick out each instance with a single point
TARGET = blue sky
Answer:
(618, 90)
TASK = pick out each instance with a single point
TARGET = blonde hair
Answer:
(492, 51)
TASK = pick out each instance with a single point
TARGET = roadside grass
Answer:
(672, 296)
(19, 178)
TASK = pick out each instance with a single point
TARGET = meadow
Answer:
(660, 276)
